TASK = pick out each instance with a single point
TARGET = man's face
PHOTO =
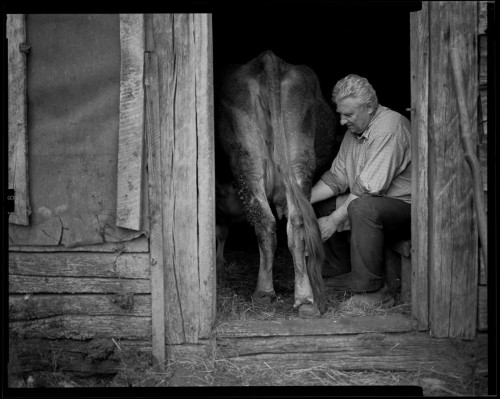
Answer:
(355, 114)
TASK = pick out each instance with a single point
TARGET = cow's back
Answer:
(245, 90)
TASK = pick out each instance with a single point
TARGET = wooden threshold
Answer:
(391, 323)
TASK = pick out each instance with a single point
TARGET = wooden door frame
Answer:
(180, 137)
(444, 273)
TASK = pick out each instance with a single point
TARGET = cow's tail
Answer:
(312, 236)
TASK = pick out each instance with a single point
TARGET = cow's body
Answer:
(273, 126)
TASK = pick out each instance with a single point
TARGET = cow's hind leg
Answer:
(304, 298)
(259, 214)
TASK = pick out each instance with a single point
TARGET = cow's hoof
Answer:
(262, 298)
(309, 310)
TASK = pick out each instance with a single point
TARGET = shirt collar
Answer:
(366, 133)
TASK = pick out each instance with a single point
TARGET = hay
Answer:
(137, 371)
(237, 279)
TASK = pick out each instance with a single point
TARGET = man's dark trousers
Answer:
(373, 220)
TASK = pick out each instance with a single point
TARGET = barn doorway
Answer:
(371, 40)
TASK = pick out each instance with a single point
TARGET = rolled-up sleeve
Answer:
(336, 177)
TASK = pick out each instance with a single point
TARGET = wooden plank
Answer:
(84, 327)
(185, 221)
(482, 20)
(206, 171)
(298, 327)
(155, 206)
(29, 307)
(419, 60)
(175, 47)
(125, 266)
(189, 352)
(465, 280)
(483, 275)
(17, 125)
(97, 356)
(391, 352)
(453, 234)
(163, 26)
(73, 285)
(139, 244)
(482, 308)
(469, 140)
(130, 142)
(483, 60)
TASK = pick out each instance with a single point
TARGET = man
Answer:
(373, 170)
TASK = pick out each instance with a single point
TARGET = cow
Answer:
(276, 132)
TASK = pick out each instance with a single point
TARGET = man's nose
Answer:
(343, 121)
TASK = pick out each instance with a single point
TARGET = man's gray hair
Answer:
(357, 87)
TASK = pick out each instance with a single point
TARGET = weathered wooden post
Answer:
(453, 240)
(182, 57)
(444, 232)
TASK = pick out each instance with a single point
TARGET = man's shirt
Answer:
(376, 163)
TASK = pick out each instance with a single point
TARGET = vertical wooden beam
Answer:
(468, 138)
(183, 45)
(419, 60)
(163, 33)
(206, 171)
(156, 203)
(175, 44)
(185, 194)
(453, 241)
(131, 126)
(18, 134)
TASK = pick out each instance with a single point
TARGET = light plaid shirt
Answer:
(377, 163)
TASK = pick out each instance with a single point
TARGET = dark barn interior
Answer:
(335, 39)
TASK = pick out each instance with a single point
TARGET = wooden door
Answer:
(444, 231)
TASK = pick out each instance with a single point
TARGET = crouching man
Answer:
(367, 187)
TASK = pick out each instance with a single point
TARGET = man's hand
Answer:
(328, 226)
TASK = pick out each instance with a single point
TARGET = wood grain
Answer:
(130, 142)
(18, 134)
(468, 135)
(184, 199)
(206, 171)
(453, 241)
(40, 306)
(87, 358)
(419, 61)
(482, 17)
(84, 327)
(155, 207)
(139, 244)
(163, 32)
(482, 312)
(86, 264)
(73, 285)
(373, 351)
(317, 327)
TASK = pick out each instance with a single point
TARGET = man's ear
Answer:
(369, 107)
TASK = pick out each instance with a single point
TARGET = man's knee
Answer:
(362, 207)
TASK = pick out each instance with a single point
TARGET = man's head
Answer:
(356, 102)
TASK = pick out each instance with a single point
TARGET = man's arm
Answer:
(320, 192)
(328, 225)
